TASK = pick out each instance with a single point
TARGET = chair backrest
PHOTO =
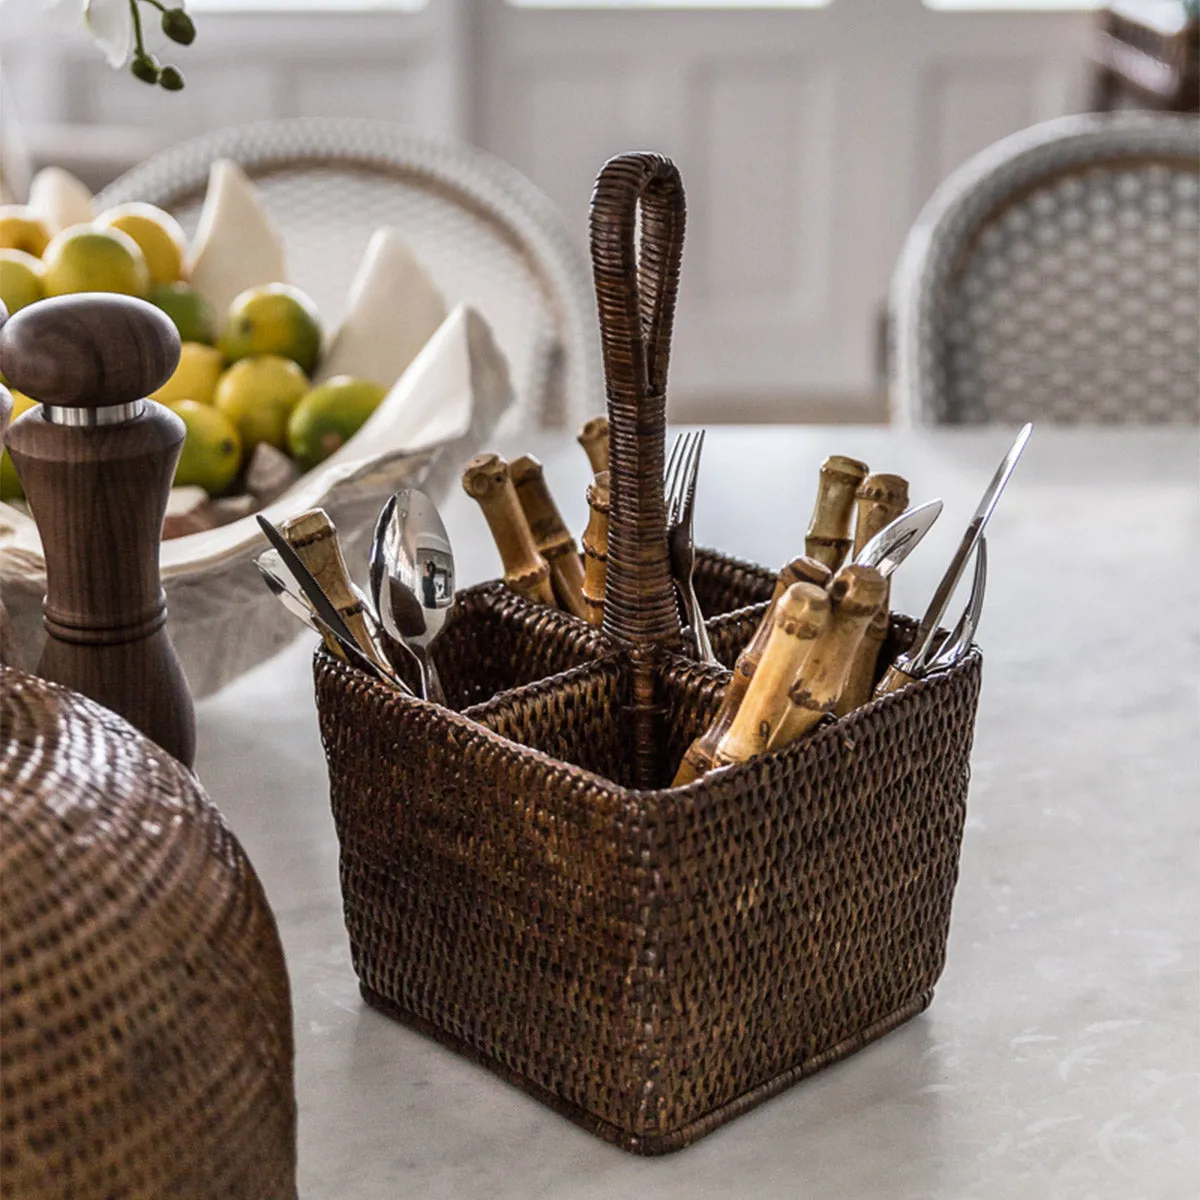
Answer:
(1056, 276)
(483, 231)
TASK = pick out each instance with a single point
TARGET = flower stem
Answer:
(137, 29)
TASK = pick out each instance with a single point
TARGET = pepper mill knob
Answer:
(96, 461)
(93, 351)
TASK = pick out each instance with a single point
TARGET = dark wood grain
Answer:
(99, 495)
(89, 351)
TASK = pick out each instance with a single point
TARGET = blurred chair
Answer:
(483, 231)
(1056, 276)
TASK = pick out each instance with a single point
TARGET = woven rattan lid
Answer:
(145, 1018)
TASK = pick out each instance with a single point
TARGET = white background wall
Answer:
(807, 138)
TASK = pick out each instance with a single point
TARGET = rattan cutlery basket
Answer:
(520, 881)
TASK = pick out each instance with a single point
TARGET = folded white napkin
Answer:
(393, 309)
(222, 619)
(237, 245)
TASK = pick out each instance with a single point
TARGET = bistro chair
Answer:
(486, 235)
(1056, 277)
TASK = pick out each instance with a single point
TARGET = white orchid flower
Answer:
(110, 22)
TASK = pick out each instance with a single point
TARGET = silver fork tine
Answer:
(693, 471)
(670, 475)
(959, 641)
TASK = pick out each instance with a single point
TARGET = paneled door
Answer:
(808, 138)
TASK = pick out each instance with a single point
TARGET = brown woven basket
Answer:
(520, 881)
(145, 1017)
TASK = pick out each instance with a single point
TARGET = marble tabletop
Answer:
(1059, 1059)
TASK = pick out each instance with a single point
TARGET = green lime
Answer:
(87, 259)
(20, 279)
(10, 485)
(194, 317)
(329, 416)
(258, 395)
(273, 319)
(212, 450)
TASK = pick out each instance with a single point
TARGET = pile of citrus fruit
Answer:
(244, 377)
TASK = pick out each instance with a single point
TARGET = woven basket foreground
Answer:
(145, 1018)
(520, 881)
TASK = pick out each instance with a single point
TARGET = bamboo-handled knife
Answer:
(885, 552)
(700, 755)
(800, 615)
(855, 597)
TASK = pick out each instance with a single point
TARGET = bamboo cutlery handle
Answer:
(595, 549)
(828, 539)
(487, 480)
(855, 597)
(800, 615)
(550, 534)
(593, 437)
(881, 499)
(700, 755)
(315, 540)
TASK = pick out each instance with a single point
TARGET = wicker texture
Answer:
(520, 881)
(483, 231)
(145, 1017)
(1057, 277)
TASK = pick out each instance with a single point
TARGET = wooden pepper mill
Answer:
(96, 461)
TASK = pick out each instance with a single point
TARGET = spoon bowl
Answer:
(412, 577)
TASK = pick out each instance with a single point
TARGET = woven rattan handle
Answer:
(635, 296)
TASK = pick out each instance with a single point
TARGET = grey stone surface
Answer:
(1059, 1058)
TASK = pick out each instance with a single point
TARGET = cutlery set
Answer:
(412, 588)
(814, 653)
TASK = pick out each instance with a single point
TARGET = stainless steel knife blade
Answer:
(923, 642)
(895, 542)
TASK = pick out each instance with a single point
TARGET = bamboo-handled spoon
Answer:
(487, 481)
(855, 597)
(550, 533)
(800, 615)
(828, 539)
(412, 579)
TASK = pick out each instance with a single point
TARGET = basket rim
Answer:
(832, 729)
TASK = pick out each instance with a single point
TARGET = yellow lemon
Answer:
(22, 229)
(273, 319)
(212, 450)
(10, 485)
(329, 416)
(20, 279)
(86, 259)
(194, 317)
(158, 235)
(258, 395)
(196, 376)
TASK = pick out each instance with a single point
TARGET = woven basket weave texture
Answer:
(145, 1018)
(519, 879)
